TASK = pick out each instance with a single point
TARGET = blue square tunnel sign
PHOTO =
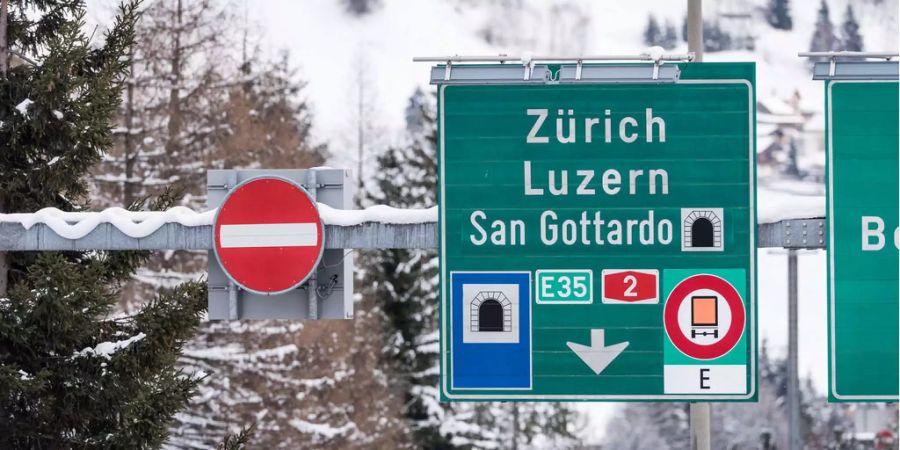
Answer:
(491, 330)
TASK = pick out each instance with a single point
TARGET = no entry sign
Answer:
(269, 236)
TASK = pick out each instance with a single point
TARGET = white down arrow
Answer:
(597, 356)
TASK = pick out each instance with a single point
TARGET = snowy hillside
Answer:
(331, 47)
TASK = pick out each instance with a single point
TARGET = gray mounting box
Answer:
(326, 295)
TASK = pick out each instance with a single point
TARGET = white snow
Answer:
(655, 52)
(53, 161)
(137, 224)
(57, 114)
(23, 107)
(23, 375)
(107, 349)
(321, 429)
(140, 224)
(775, 205)
(376, 213)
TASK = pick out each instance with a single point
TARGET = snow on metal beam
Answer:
(792, 233)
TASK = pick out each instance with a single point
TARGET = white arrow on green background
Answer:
(597, 356)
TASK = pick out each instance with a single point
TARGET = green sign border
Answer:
(833, 395)
(731, 74)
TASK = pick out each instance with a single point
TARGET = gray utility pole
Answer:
(695, 28)
(700, 412)
(4, 67)
(793, 387)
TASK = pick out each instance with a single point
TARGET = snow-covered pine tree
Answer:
(851, 40)
(265, 125)
(403, 283)
(823, 38)
(669, 37)
(662, 36)
(716, 38)
(735, 425)
(361, 7)
(72, 375)
(316, 384)
(778, 14)
(654, 424)
(404, 287)
(653, 35)
(170, 121)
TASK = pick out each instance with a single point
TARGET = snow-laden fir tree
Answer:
(715, 38)
(404, 283)
(669, 37)
(734, 425)
(823, 38)
(404, 286)
(170, 121)
(662, 36)
(851, 40)
(361, 7)
(778, 14)
(72, 374)
(302, 386)
(653, 35)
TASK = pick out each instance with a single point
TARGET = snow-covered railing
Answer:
(184, 229)
(374, 227)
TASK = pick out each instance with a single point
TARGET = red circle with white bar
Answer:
(269, 236)
(681, 293)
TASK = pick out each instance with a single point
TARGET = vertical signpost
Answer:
(862, 151)
(597, 232)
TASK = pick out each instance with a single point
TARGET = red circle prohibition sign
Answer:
(681, 293)
(268, 235)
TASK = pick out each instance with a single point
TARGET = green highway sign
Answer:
(597, 239)
(862, 197)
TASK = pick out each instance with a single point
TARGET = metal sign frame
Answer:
(328, 294)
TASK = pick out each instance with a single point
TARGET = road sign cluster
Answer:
(597, 239)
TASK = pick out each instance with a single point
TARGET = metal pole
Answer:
(4, 67)
(695, 28)
(700, 412)
(700, 426)
(793, 387)
(312, 285)
(233, 295)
